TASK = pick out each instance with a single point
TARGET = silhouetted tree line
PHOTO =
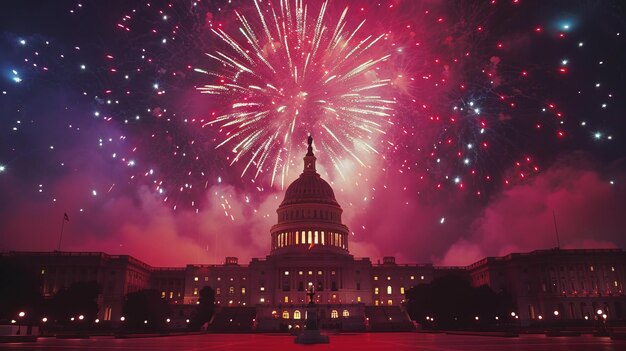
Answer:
(21, 291)
(451, 302)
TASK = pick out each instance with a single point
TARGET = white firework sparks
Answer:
(292, 73)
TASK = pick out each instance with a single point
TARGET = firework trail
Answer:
(291, 72)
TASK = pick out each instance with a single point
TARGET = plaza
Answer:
(356, 341)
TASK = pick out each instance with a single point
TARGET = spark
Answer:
(284, 51)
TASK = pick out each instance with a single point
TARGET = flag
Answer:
(66, 217)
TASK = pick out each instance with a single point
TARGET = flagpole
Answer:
(556, 230)
(61, 236)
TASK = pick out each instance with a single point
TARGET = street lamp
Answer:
(21, 315)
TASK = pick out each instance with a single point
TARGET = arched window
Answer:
(274, 314)
(285, 314)
(296, 314)
(389, 290)
(334, 314)
(346, 313)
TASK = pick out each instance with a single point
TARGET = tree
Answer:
(205, 308)
(79, 299)
(454, 303)
(145, 310)
(20, 291)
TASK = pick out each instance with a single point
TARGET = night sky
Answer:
(449, 130)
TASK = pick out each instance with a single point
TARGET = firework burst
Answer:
(291, 72)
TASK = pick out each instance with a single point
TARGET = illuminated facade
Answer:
(310, 248)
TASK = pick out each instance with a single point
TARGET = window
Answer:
(389, 302)
(319, 272)
(286, 272)
(195, 279)
(376, 291)
(389, 291)
(422, 277)
(388, 278)
(345, 313)
(375, 277)
(300, 273)
(296, 314)
(358, 299)
(162, 294)
(262, 300)
(402, 290)
(206, 279)
(376, 303)
(358, 286)
(231, 290)
(285, 314)
(195, 291)
(172, 294)
(334, 314)
(243, 291)
(591, 268)
(310, 237)
(412, 277)
(218, 291)
(262, 288)
(286, 300)
(316, 241)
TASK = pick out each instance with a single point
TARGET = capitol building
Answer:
(310, 249)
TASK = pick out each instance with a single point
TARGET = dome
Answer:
(309, 218)
(309, 188)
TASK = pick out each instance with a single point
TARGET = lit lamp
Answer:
(20, 315)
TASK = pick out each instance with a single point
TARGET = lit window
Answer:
(412, 277)
(334, 314)
(195, 279)
(296, 314)
(612, 269)
(231, 290)
(195, 291)
(300, 273)
(389, 290)
(375, 277)
(591, 268)
(310, 272)
(615, 283)
(297, 238)
(319, 272)
(172, 294)
(285, 314)
(358, 299)
(286, 300)
(218, 291)
(388, 278)
(206, 279)
(310, 237)
(345, 313)
(422, 277)
(231, 279)
(389, 302)
(162, 294)
(303, 237)
(286, 272)
(243, 291)
(219, 278)
(323, 239)
(262, 300)
(402, 290)
(332, 272)
(376, 303)
(375, 291)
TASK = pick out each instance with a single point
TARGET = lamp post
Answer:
(20, 316)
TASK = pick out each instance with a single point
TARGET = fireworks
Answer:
(293, 74)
